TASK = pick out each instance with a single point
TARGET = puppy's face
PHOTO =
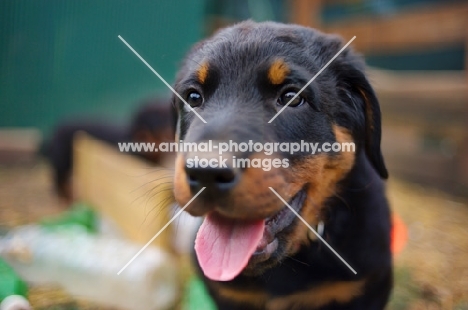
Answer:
(237, 81)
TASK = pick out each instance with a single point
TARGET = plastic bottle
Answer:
(79, 214)
(15, 302)
(13, 289)
(86, 266)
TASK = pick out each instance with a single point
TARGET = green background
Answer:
(63, 58)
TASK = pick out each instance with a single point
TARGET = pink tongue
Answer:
(224, 246)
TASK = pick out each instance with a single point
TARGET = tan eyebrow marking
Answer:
(202, 73)
(278, 72)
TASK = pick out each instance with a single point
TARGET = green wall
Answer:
(62, 58)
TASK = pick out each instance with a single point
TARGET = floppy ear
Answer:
(350, 70)
(357, 82)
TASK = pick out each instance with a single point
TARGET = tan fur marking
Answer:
(340, 292)
(278, 72)
(181, 188)
(252, 297)
(202, 73)
(322, 173)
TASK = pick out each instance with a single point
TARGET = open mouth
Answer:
(275, 225)
(224, 247)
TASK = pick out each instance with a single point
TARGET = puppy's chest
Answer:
(291, 294)
(295, 284)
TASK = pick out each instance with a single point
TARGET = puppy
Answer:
(153, 122)
(252, 250)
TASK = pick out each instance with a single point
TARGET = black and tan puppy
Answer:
(253, 251)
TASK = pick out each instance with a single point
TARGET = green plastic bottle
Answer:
(79, 214)
(13, 290)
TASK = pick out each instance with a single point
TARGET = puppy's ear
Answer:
(355, 80)
(349, 68)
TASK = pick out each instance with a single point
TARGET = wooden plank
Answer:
(434, 98)
(425, 136)
(408, 155)
(429, 83)
(416, 28)
(305, 12)
(136, 196)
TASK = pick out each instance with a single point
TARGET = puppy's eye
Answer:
(194, 98)
(287, 96)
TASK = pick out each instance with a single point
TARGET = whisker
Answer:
(296, 260)
(160, 205)
(152, 188)
(153, 180)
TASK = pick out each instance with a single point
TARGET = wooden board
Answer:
(420, 27)
(135, 195)
(425, 126)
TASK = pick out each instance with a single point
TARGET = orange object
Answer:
(399, 235)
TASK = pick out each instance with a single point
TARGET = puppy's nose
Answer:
(221, 179)
(212, 172)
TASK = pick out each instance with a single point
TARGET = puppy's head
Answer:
(237, 81)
